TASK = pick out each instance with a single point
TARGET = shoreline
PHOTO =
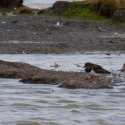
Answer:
(41, 34)
(54, 35)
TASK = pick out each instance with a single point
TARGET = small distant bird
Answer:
(107, 53)
(55, 65)
(57, 23)
(95, 69)
(123, 69)
(116, 34)
(77, 65)
(100, 29)
(26, 52)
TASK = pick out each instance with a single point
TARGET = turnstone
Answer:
(123, 68)
(95, 69)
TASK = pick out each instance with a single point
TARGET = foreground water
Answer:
(26, 104)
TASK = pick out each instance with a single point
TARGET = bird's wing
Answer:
(101, 70)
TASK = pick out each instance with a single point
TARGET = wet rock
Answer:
(16, 69)
(34, 75)
(39, 80)
(93, 83)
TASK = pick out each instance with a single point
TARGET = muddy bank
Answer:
(39, 34)
(34, 75)
(49, 34)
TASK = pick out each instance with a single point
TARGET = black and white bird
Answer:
(95, 69)
(123, 69)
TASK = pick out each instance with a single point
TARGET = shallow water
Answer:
(27, 104)
(68, 62)
(39, 4)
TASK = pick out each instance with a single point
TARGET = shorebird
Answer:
(77, 65)
(100, 29)
(123, 68)
(107, 53)
(55, 65)
(95, 69)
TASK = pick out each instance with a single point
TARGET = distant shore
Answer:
(42, 34)
(24, 30)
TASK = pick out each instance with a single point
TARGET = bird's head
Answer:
(88, 64)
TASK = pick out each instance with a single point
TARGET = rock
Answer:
(119, 15)
(38, 80)
(34, 75)
(14, 21)
(94, 83)
(7, 3)
(24, 10)
(16, 69)
(60, 6)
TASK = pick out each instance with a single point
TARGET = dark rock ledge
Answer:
(34, 75)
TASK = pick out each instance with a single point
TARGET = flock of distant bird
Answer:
(94, 69)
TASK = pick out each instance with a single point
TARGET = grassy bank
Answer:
(106, 7)
(76, 9)
(83, 10)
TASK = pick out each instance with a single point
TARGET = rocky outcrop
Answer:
(61, 7)
(119, 15)
(16, 69)
(7, 3)
(34, 75)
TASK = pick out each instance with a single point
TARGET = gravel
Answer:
(39, 34)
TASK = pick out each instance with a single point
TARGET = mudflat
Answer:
(43, 34)
(56, 35)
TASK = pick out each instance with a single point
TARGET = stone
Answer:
(119, 15)
(6, 3)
